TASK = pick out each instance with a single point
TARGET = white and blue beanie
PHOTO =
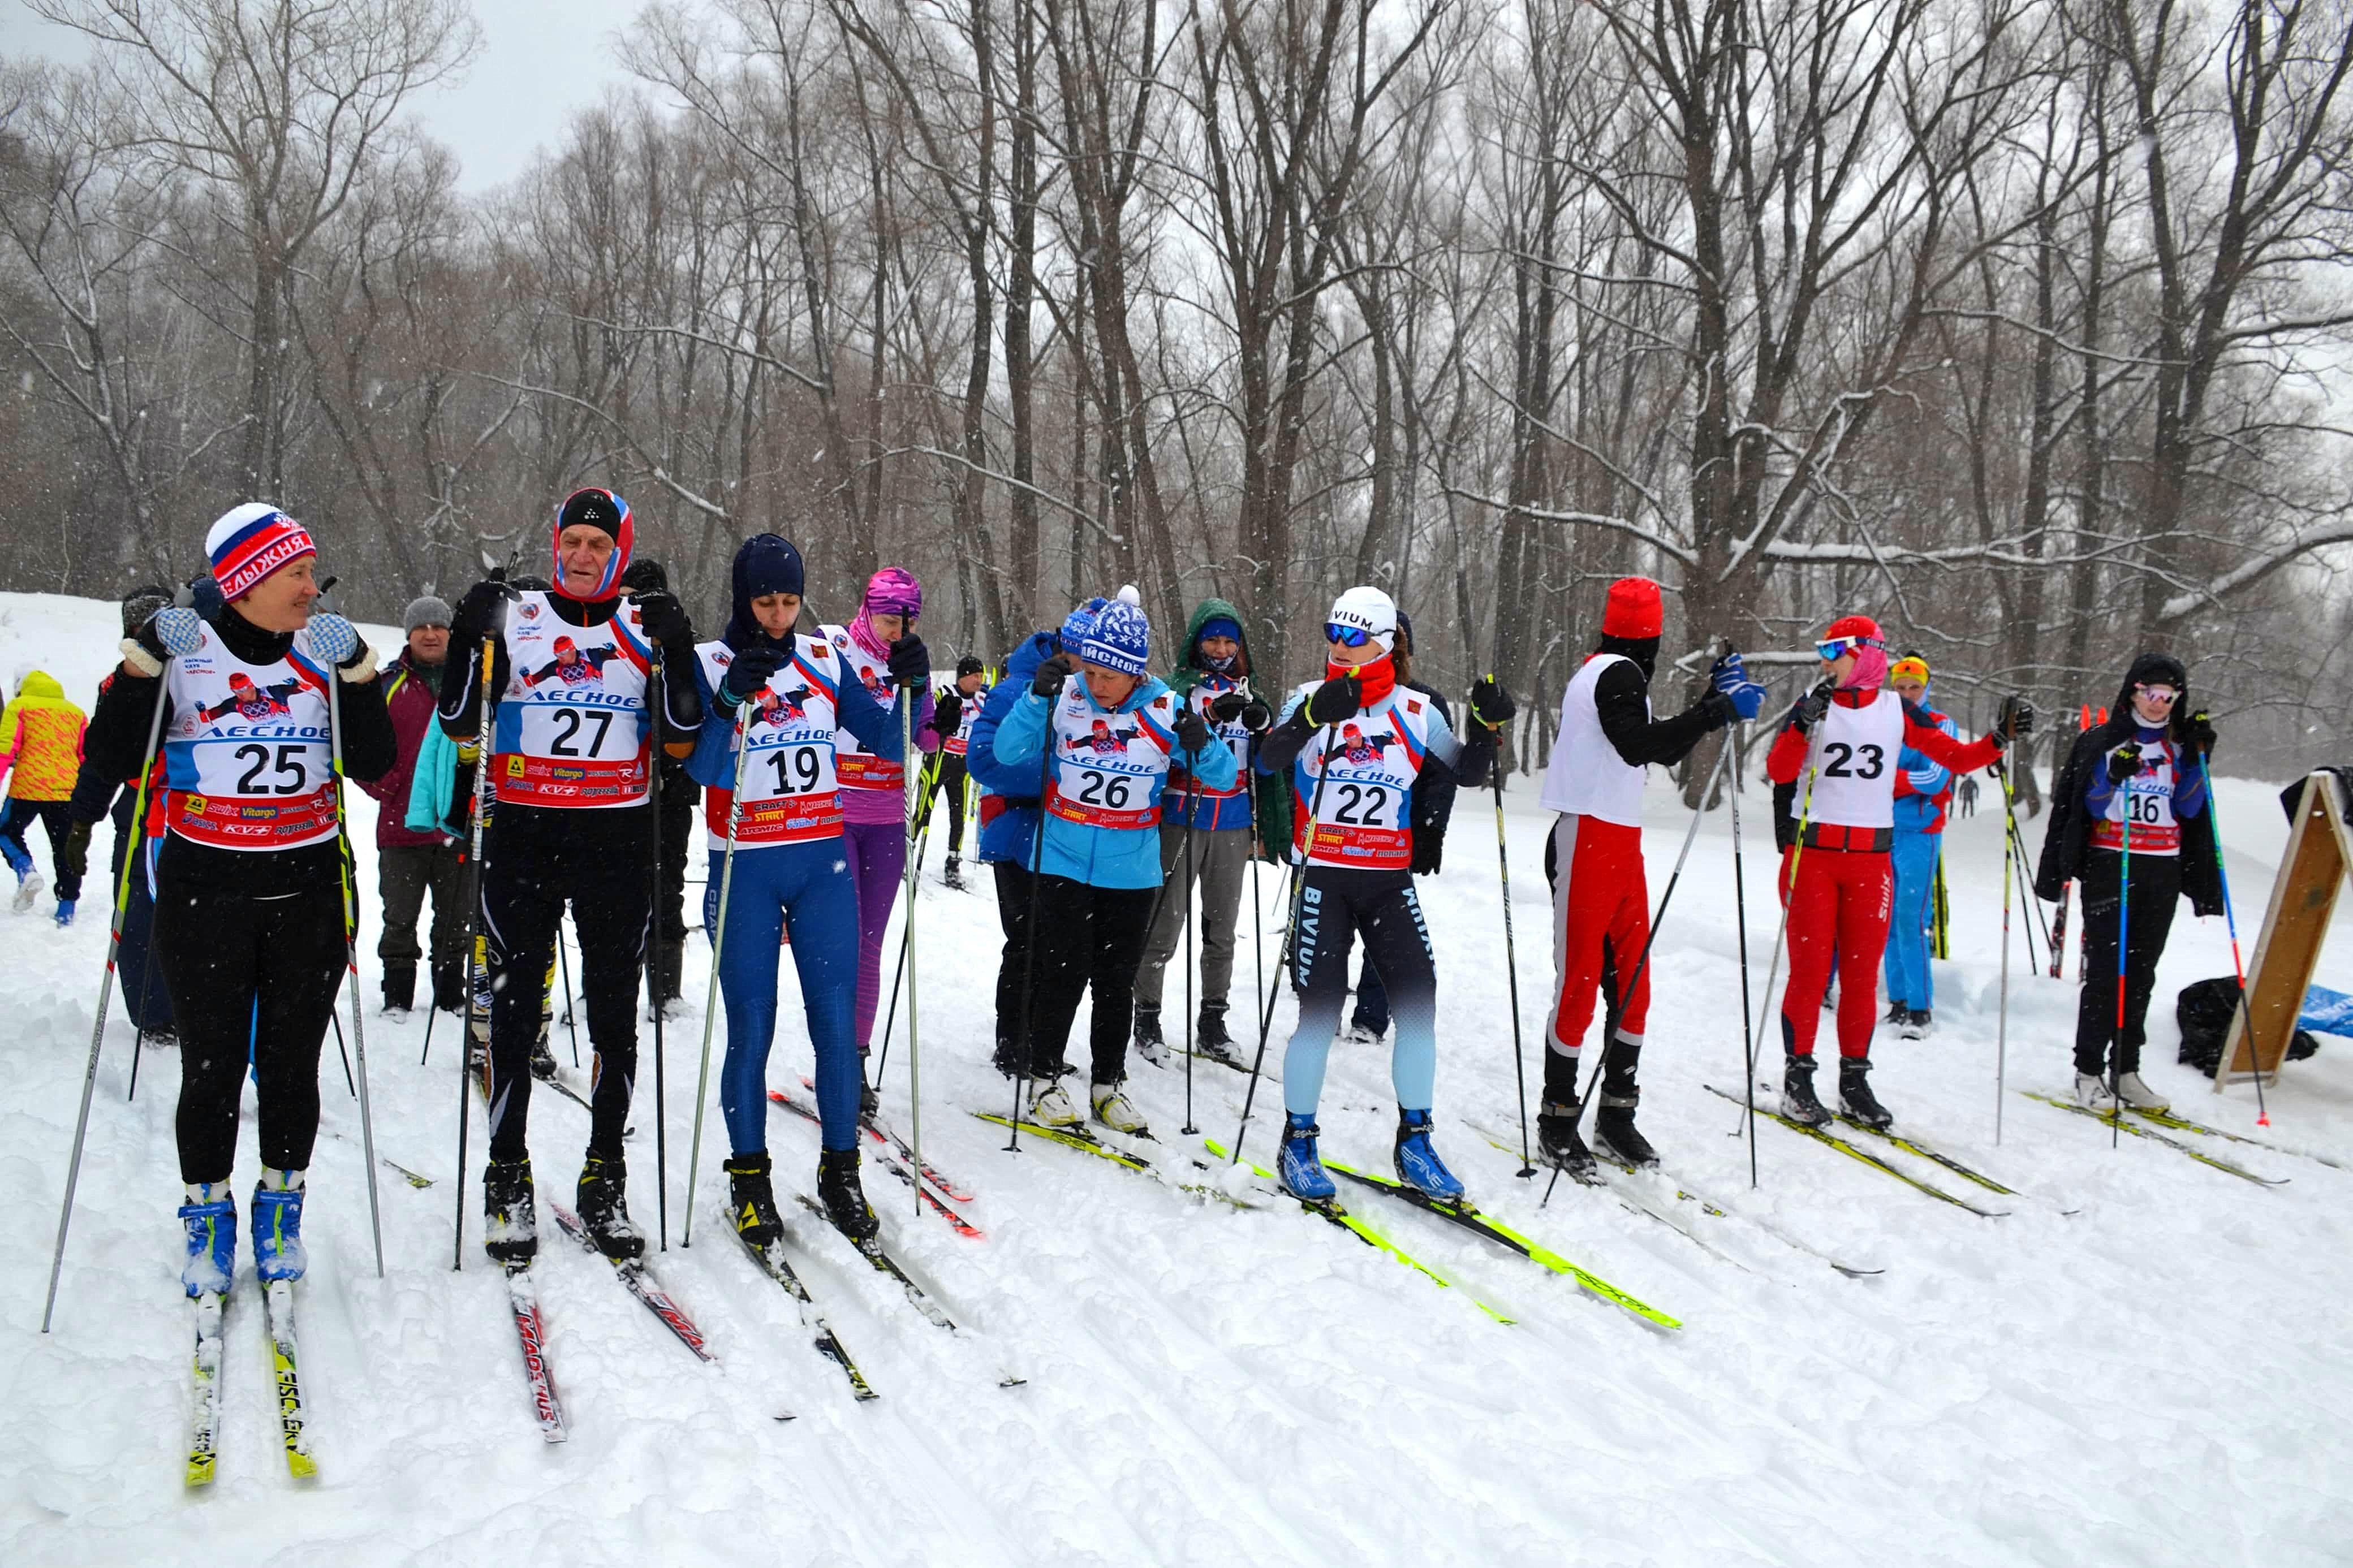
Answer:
(1121, 639)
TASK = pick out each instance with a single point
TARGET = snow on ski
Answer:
(2183, 1124)
(888, 1159)
(1081, 1139)
(772, 1262)
(278, 1300)
(639, 1282)
(872, 1249)
(890, 1138)
(204, 1415)
(1468, 1217)
(522, 1300)
(1863, 1157)
(2154, 1136)
(1934, 1156)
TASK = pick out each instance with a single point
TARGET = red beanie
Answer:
(1633, 609)
(1854, 627)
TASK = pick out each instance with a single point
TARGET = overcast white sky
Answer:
(541, 59)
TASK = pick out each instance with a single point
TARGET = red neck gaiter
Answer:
(1377, 680)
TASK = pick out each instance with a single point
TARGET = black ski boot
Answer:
(1855, 1097)
(1560, 1143)
(1798, 1101)
(399, 987)
(543, 1060)
(1211, 1038)
(605, 1210)
(1008, 1058)
(752, 1200)
(1897, 1013)
(869, 1102)
(954, 875)
(844, 1199)
(510, 1217)
(449, 987)
(1613, 1127)
(1150, 1044)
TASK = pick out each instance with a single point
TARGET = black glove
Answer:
(478, 611)
(1491, 704)
(948, 712)
(2197, 729)
(1226, 706)
(2015, 721)
(148, 638)
(1048, 682)
(1337, 698)
(1192, 732)
(75, 855)
(2124, 763)
(1428, 848)
(749, 672)
(1257, 717)
(911, 662)
(1815, 704)
(664, 619)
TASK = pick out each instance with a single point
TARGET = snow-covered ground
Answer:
(2141, 1364)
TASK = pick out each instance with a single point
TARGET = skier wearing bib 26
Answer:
(249, 898)
(572, 709)
(1923, 789)
(1352, 804)
(792, 699)
(1844, 742)
(2133, 795)
(1108, 734)
(1602, 910)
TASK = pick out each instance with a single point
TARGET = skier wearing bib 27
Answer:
(1106, 731)
(1352, 810)
(574, 723)
(1836, 879)
(1602, 910)
(2133, 793)
(249, 877)
(792, 698)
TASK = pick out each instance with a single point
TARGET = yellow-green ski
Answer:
(204, 1422)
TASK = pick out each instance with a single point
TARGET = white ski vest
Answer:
(572, 726)
(248, 760)
(2145, 802)
(860, 768)
(1363, 816)
(790, 731)
(1109, 766)
(1855, 753)
(1237, 738)
(1587, 777)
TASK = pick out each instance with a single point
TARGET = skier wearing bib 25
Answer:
(571, 709)
(793, 698)
(2133, 794)
(1352, 811)
(1601, 910)
(1106, 732)
(248, 894)
(1844, 742)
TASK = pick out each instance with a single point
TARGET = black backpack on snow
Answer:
(2204, 1010)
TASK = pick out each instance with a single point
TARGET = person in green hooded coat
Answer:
(1212, 679)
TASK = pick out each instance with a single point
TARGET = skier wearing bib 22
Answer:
(1112, 729)
(1352, 805)
(249, 895)
(793, 697)
(1839, 895)
(570, 747)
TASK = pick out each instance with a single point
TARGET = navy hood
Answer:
(766, 564)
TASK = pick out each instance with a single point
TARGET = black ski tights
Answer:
(2156, 889)
(253, 979)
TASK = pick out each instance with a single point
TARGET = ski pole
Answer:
(1740, 918)
(106, 992)
(2213, 823)
(1797, 854)
(146, 978)
(1191, 888)
(915, 1049)
(351, 950)
(475, 956)
(718, 944)
(1290, 955)
(1510, 960)
(656, 692)
(2124, 948)
(2009, 854)
(571, 997)
(2059, 931)
(341, 1049)
(920, 838)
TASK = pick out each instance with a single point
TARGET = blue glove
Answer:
(1730, 676)
(332, 638)
(180, 630)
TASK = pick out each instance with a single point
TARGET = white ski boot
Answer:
(2134, 1091)
(2092, 1093)
(1049, 1106)
(1115, 1110)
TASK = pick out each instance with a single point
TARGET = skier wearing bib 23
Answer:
(1353, 826)
(573, 728)
(1836, 879)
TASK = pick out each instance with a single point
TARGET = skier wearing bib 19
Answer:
(1107, 732)
(1602, 912)
(249, 896)
(1352, 794)
(1835, 879)
(793, 698)
(879, 648)
(570, 747)
(2133, 791)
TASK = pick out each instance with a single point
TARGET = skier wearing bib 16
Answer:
(793, 697)
(2133, 790)
(1851, 734)
(249, 895)
(575, 719)
(1106, 731)
(1601, 912)
(1352, 810)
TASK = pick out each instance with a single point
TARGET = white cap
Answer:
(1128, 595)
(1371, 609)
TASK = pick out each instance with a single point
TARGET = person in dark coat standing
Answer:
(410, 863)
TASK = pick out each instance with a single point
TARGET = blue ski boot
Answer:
(278, 1226)
(210, 1215)
(1298, 1165)
(1417, 1164)
(65, 911)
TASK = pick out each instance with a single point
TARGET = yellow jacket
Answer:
(41, 737)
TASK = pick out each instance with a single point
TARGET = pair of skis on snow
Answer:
(210, 1311)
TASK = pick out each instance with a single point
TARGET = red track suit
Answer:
(1845, 887)
(1600, 899)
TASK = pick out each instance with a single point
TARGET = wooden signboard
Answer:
(2319, 857)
